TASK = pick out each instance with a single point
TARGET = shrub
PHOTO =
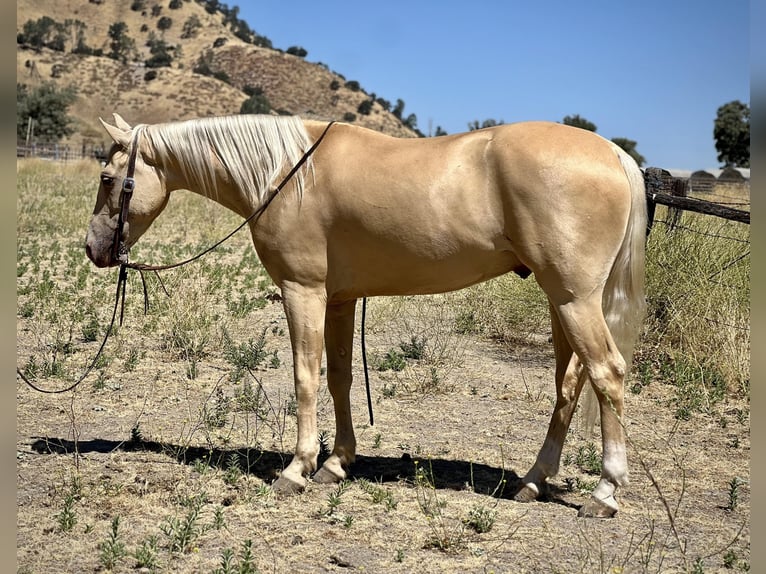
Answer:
(255, 104)
(191, 27)
(297, 51)
(365, 108)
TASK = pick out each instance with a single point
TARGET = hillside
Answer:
(73, 39)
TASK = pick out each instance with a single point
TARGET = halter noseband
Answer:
(120, 249)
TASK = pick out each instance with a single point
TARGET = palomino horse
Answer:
(370, 214)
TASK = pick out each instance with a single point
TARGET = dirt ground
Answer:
(133, 449)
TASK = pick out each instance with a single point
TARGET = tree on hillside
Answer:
(489, 123)
(398, 108)
(164, 23)
(160, 54)
(365, 107)
(579, 122)
(46, 106)
(411, 121)
(630, 147)
(257, 103)
(191, 27)
(297, 51)
(121, 46)
(44, 32)
(731, 132)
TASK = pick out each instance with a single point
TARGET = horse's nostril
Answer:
(88, 252)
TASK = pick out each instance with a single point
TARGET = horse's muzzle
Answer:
(100, 257)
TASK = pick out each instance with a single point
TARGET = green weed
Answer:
(243, 563)
(112, 550)
(183, 532)
(67, 518)
(481, 519)
(146, 555)
(393, 360)
(378, 494)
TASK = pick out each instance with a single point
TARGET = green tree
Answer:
(47, 107)
(191, 27)
(630, 147)
(398, 108)
(44, 32)
(161, 56)
(490, 123)
(731, 132)
(411, 122)
(164, 23)
(121, 46)
(365, 107)
(258, 103)
(579, 122)
(297, 51)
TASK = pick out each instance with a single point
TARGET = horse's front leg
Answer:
(339, 337)
(305, 311)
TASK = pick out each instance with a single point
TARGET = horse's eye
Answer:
(107, 181)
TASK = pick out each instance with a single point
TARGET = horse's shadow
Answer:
(266, 465)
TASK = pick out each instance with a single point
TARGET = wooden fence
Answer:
(664, 189)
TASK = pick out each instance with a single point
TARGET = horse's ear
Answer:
(121, 137)
(121, 123)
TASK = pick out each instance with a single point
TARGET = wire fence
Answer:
(61, 152)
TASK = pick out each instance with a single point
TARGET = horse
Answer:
(367, 214)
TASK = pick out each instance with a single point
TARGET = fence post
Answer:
(680, 188)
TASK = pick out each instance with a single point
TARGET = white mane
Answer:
(253, 149)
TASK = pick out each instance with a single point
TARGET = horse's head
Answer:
(149, 198)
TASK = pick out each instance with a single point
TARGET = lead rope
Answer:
(364, 361)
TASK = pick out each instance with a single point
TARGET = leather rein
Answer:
(121, 251)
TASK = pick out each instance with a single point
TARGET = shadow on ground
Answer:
(266, 465)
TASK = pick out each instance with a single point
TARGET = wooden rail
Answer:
(664, 189)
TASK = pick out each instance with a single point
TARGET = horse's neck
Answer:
(224, 192)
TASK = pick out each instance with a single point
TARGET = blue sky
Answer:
(653, 71)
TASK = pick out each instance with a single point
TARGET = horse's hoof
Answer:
(325, 476)
(286, 486)
(526, 494)
(596, 508)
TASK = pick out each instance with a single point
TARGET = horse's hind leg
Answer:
(583, 322)
(339, 337)
(569, 382)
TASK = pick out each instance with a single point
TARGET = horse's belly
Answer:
(384, 274)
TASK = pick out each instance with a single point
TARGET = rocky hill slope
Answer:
(165, 60)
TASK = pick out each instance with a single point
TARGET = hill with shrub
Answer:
(154, 61)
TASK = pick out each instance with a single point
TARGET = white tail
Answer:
(624, 303)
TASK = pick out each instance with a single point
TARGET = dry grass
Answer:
(172, 441)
